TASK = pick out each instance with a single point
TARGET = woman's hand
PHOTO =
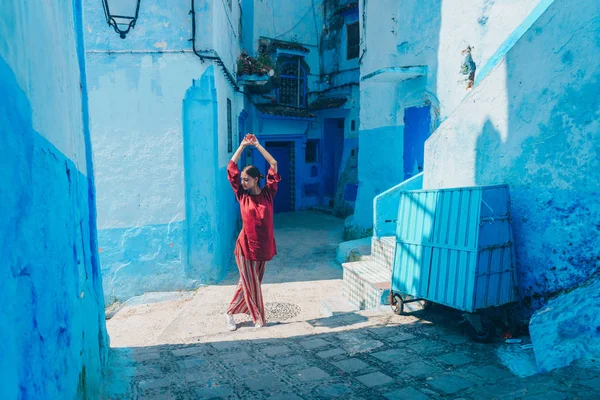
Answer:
(252, 140)
(246, 142)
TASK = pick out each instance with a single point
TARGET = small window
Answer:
(312, 151)
(229, 129)
(292, 84)
(229, 4)
(353, 37)
(353, 125)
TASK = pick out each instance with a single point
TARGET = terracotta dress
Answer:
(255, 244)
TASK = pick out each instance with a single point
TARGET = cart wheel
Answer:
(397, 304)
(487, 333)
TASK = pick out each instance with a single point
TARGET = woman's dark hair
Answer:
(253, 172)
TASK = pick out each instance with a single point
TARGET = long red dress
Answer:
(256, 240)
(255, 245)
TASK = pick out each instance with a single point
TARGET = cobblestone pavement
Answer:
(180, 349)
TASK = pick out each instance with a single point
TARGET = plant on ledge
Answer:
(248, 65)
(256, 74)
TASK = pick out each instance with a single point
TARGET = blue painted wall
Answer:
(53, 337)
(533, 123)
(412, 57)
(138, 119)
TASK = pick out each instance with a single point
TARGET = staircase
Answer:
(366, 282)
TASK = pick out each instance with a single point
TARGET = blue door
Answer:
(333, 147)
(281, 152)
(417, 128)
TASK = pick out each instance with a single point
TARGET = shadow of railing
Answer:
(385, 206)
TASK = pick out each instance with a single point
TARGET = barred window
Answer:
(353, 36)
(229, 128)
(292, 85)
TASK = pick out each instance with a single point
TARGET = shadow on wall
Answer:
(549, 157)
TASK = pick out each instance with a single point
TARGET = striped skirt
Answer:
(248, 293)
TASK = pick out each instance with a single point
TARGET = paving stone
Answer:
(421, 368)
(454, 338)
(236, 357)
(375, 379)
(191, 362)
(154, 383)
(351, 365)
(491, 373)
(427, 347)
(392, 333)
(224, 346)
(449, 383)
(293, 360)
(331, 353)
(187, 351)
(147, 370)
(314, 344)
(249, 369)
(263, 382)
(395, 356)
(355, 343)
(507, 389)
(284, 396)
(276, 351)
(312, 374)
(455, 359)
(550, 395)
(158, 395)
(406, 393)
(206, 376)
(213, 391)
(146, 356)
(334, 390)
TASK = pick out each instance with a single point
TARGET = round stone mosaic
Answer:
(276, 312)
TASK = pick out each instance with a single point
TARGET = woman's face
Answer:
(248, 182)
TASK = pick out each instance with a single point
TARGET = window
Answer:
(229, 129)
(229, 4)
(353, 37)
(292, 84)
(312, 151)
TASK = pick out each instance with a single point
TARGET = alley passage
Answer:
(179, 348)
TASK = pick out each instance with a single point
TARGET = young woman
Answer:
(256, 243)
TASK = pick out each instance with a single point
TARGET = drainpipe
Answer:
(214, 57)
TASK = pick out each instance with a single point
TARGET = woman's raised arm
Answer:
(272, 162)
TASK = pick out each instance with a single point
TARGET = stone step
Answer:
(333, 306)
(366, 284)
(383, 250)
(353, 250)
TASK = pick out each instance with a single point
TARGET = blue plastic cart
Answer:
(455, 247)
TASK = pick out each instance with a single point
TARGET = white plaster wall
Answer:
(419, 33)
(137, 136)
(484, 25)
(37, 81)
(534, 124)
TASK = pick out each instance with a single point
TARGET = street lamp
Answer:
(121, 15)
